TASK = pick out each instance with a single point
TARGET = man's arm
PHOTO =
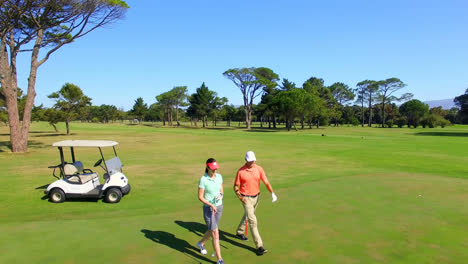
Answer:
(268, 185)
(237, 188)
(265, 181)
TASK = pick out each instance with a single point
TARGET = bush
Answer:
(400, 122)
(429, 120)
(355, 122)
(443, 122)
(434, 120)
(389, 123)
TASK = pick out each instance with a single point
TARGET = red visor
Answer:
(213, 165)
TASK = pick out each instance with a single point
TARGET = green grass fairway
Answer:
(356, 195)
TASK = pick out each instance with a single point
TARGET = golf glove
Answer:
(273, 197)
(219, 197)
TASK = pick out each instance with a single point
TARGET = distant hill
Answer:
(446, 103)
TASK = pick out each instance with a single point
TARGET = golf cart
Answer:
(74, 181)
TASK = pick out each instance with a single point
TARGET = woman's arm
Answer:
(201, 194)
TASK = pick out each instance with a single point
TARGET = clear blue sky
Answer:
(162, 44)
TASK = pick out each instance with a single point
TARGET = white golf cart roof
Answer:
(85, 143)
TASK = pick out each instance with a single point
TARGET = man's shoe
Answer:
(220, 261)
(261, 251)
(202, 248)
(242, 237)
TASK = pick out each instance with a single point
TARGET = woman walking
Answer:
(210, 193)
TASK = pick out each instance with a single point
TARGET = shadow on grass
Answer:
(5, 146)
(443, 134)
(170, 240)
(52, 134)
(265, 130)
(200, 229)
(72, 200)
(42, 187)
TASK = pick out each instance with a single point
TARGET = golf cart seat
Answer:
(79, 166)
(74, 173)
(71, 173)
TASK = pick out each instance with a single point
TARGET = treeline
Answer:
(310, 105)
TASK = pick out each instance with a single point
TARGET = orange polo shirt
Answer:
(249, 179)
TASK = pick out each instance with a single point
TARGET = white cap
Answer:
(250, 156)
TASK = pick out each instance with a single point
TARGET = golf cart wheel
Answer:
(57, 196)
(113, 195)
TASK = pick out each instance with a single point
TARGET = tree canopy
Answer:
(250, 82)
(414, 111)
(49, 25)
(69, 100)
(462, 102)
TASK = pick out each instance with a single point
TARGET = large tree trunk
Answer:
(67, 124)
(55, 127)
(177, 115)
(19, 132)
(370, 114)
(383, 112)
(248, 115)
(362, 112)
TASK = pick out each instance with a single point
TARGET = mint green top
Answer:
(212, 188)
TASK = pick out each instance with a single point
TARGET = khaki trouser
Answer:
(249, 212)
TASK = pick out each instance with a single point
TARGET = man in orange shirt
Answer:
(247, 189)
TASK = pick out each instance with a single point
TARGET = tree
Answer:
(251, 81)
(49, 25)
(414, 111)
(342, 93)
(370, 89)
(37, 113)
(69, 100)
(201, 104)
(167, 100)
(439, 111)
(180, 99)
(320, 96)
(286, 85)
(391, 114)
(291, 104)
(216, 107)
(139, 109)
(386, 89)
(452, 115)
(462, 102)
(361, 91)
(107, 113)
(351, 115)
(230, 112)
(53, 116)
(155, 112)
(174, 98)
(266, 106)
